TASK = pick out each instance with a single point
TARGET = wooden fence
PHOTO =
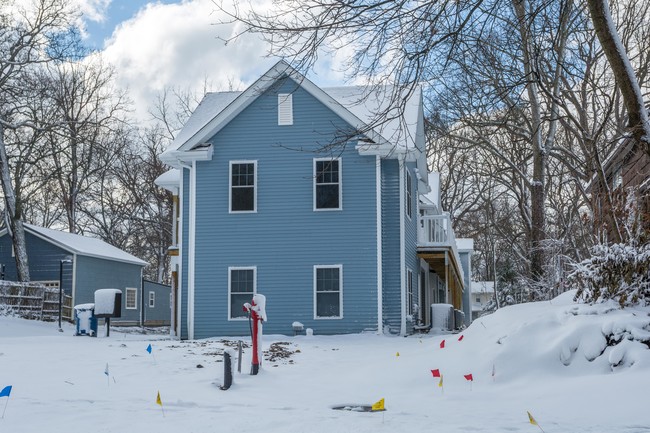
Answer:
(34, 301)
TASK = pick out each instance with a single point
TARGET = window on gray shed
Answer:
(131, 302)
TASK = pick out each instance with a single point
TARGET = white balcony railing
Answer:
(437, 231)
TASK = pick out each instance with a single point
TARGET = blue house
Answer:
(303, 194)
(80, 265)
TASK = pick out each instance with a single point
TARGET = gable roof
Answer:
(365, 108)
(82, 245)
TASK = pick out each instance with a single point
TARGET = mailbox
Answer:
(108, 303)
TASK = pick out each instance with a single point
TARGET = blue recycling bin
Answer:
(85, 320)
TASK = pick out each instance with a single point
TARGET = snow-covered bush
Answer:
(620, 272)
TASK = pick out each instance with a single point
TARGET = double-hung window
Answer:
(328, 288)
(241, 288)
(152, 299)
(243, 180)
(327, 184)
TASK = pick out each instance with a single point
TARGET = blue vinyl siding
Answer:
(390, 245)
(411, 240)
(94, 273)
(44, 261)
(91, 273)
(159, 314)
(285, 237)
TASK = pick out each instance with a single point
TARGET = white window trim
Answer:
(254, 162)
(240, 268)
(340, 268)
(285, 109)
(340, 184)
(152, 299)
(126, 298)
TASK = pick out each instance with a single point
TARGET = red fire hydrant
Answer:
(257, 314)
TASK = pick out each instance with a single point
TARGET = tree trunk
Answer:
(537, 190)
(623, 72)
(13, 214)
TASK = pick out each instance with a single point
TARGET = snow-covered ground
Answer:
(549, 358)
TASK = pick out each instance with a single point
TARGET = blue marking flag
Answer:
(106, 371)
(5, 391)
(149, 348)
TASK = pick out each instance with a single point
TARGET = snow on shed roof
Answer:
(83, 245)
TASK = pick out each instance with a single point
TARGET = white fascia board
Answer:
(176, 158)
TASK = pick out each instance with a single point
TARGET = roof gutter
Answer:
(176, 158)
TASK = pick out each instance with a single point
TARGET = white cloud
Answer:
(178, 45)
(92, 10)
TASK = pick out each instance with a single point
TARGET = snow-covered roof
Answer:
(482, 286)
(170, 180)
(83, 245)
(465, 244)
(366, 108)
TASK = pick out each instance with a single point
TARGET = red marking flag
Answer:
(469, 377)
(435, 373)
(442, 344)
(461, 338)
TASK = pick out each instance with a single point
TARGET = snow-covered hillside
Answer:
(549, 358)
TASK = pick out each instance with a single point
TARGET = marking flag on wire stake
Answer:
(6, 392)
(470, 379)
(442, 344)
(534, 422)
(159, 402)
(150, 350)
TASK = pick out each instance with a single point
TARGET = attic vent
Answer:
(285, 109)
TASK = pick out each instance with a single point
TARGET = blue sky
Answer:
(116, 12)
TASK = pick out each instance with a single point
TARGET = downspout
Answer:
(180, 242)
(380, 284)
(73, 289)
(190, 252)
(141, 298)
(402, 244)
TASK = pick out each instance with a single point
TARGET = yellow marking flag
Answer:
(397, 354)
(158, 400)
(440, 383)
(379, 405)
(531, 419)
